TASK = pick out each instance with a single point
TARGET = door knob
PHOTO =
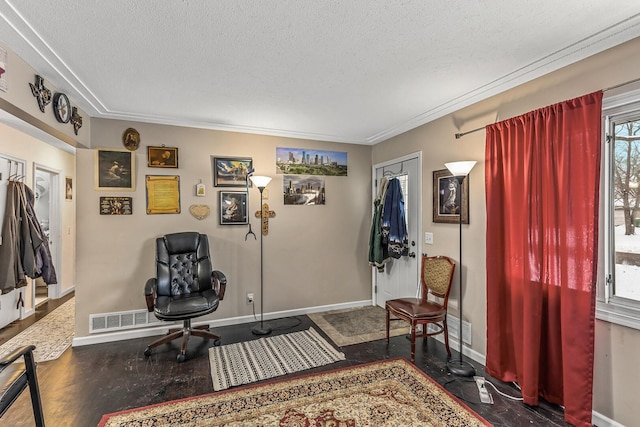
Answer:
(412, 254)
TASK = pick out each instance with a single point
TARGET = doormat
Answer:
(357, 325)
(387, 393)
(251, 361)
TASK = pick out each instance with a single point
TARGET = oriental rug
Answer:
(391, 393)
(357, 325)
(51, 335)
(250, 361)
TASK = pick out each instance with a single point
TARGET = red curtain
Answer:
(542, 179)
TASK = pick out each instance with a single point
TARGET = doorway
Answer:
(46, 188)
(401, 277)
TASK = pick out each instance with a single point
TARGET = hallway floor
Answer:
(89, 381)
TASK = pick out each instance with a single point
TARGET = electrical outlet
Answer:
(250, 298)
(428, 238)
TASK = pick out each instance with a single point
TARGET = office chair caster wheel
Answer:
(147, 352)
(181, 357)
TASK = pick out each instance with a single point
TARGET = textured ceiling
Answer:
(357, 71)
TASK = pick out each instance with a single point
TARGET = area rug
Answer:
(51, 335)
(264, 358)
(381, 394)
(357, 325)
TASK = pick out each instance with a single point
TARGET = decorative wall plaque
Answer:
(42, 94)
(116, 206)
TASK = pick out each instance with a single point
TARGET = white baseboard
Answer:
(160, 330)
(599, 420)
(67, 291)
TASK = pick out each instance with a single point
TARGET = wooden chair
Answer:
(17, 371)
(436, 278)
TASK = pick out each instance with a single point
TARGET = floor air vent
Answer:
(109, 322)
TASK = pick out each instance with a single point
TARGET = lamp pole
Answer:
(459, 367)
(262, 328)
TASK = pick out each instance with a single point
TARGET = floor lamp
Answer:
(460, 170)
(261, 329)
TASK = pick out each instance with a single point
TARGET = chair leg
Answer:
(387, 326)
(34, 389)
(413, 342)
(446, 336)
(167, 338)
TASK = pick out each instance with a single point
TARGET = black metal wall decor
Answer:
(76, 120)
(42, 94)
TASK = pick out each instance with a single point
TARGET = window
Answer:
(619, 287)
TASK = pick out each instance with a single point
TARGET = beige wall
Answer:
(617, 347)
(22, 146)
(313, 255)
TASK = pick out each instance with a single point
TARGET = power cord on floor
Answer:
(504, 394)
(478, 402)
(296, 321)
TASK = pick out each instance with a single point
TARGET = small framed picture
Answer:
(162, 157)
(115, 170)
(449, 199)
(233, 208)
(68, 188)
(231, 171)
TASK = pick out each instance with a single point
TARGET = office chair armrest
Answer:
(16, 354)
(150, 293)
(219, 283)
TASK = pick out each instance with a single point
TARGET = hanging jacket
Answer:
(40, 244)
(12, 274)
(394, 225)
(378, 254)
(24, 251)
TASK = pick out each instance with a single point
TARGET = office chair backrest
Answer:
(183, 263)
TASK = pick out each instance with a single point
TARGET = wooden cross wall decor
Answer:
(265, 214)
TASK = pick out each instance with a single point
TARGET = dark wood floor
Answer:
(89, 381)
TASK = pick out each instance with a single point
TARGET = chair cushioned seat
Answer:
(12, 382)
(416, 308)
(179, 307)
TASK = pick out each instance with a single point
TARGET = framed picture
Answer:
(231, 171)
(116, 206)
(162, 157)
(233, 207)
(115, 170)
(68, 188)
(163, 194)
(449, 198)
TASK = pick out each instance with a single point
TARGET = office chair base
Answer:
(184, 333)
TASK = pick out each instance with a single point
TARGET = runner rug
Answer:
(357, 325)
(251, 361)
(382, 394)
(51, 335)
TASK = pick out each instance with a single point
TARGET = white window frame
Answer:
(609, 307)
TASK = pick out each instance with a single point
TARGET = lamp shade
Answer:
(460, 168)
(260, 181)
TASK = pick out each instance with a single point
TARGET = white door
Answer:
(401, 277)
(46, 188)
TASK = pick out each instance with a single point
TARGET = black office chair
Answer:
(15, 376)
(185, 287)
